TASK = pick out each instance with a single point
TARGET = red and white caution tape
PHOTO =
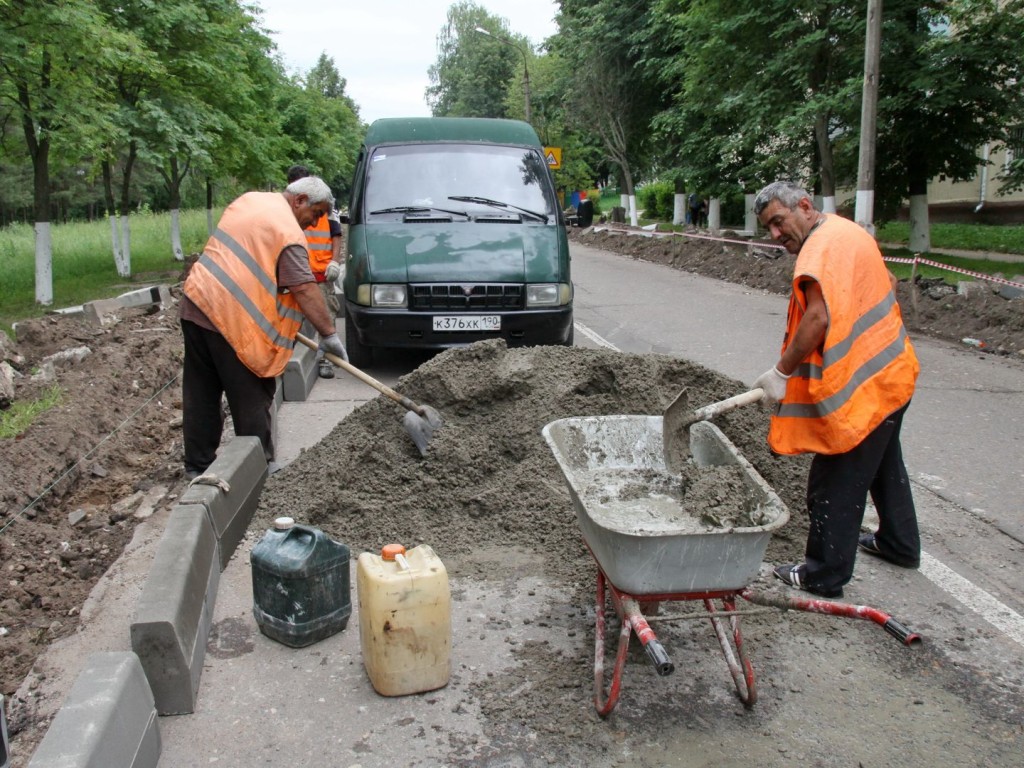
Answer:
(948, 268)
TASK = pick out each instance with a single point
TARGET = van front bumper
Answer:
(402, 329)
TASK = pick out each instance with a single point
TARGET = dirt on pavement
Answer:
(73, 485)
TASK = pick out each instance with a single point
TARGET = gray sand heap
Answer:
(489, 477)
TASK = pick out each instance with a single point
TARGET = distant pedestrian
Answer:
(693, 205)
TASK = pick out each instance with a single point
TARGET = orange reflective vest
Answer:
(318, 243)
(234, 282)
(866, 368)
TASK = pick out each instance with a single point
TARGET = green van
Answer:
(454, 235)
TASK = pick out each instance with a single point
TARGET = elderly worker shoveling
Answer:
(842, 384)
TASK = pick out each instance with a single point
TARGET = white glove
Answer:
(333, 345)
(333, 271)
(773, 382)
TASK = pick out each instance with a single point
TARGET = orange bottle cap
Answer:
(389, 551)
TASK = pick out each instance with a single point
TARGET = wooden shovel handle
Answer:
(366, 378)
(724, 406)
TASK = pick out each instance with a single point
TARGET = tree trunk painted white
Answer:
(864, 209)
(828, 204)
(633, 219)
(624, 201)
(179, 254)
(749, 218)
(715, 214)
(920, 231)
(209, 221)
(44, 264)
(115, 245)
(679, 208)
(126, 246)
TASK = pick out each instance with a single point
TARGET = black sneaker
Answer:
(326, 370)
(868, 543)
(793, 575)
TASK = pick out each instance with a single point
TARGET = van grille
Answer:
(467, 297)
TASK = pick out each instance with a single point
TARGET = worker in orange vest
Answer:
(243, 304)
(323, 241)
(842, 384)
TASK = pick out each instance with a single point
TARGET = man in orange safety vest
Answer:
(844, 379)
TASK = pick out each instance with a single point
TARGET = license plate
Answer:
(467, 322)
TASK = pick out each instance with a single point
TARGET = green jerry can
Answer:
(300, 584)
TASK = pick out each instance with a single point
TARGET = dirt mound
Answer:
(114, 436)
(489, 476)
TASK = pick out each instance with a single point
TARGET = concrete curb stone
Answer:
(175, 611)
(108, 719)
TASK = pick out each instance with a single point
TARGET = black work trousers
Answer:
(211, 369)
(837, 490)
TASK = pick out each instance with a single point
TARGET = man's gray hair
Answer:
(786, 192)
(314, 188)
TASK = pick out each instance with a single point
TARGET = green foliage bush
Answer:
(655, 200)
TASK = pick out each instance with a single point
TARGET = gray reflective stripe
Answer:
(318, 246)
(840, 398)
(808, 371)
(865, 321)
(247, 304)
(247, 259)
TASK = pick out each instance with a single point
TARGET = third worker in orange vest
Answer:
(842, 384)
(323, 241)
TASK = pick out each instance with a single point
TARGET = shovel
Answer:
(420, 421)
(678, 417)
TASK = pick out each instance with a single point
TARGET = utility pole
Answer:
(864, 212)
(526, 69)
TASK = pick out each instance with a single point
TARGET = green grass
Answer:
(83, 263)
(968, 237)
(984, 266)
(19, 417)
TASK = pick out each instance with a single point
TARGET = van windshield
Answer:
(431, 175)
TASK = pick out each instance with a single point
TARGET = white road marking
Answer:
(978, 600)
(1001, 616)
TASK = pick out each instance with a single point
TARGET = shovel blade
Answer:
(421, 428)
(675, 432)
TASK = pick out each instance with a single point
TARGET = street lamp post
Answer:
(526, 70)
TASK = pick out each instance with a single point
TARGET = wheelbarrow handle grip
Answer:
(659, 658)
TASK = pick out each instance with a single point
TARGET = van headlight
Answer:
(388, 295)
(548, 294)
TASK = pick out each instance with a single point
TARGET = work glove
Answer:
(333, 271)
(333, 345)
(773, 382)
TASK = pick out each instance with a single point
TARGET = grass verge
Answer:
(19, 417)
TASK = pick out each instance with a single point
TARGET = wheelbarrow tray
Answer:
(647, 544)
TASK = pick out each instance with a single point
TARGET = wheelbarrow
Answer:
(649, 551)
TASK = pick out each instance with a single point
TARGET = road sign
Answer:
(554, 157)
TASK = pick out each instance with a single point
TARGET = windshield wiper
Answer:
(498, 204)
(417, 209)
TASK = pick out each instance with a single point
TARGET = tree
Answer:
(950, 82)
(609, 92)
(56, 59)
(472, 69)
